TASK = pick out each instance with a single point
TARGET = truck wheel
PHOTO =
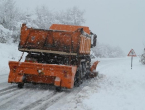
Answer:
(58, 89)
(87, 76)
(78, 79)
(34, 83)
(20, 85)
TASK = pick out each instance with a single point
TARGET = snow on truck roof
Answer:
(70, 28)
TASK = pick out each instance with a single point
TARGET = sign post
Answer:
(131, 61)
(132, 54)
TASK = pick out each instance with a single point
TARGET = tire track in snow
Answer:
(7, 99)
(73, 93)
(47, 105)
(38, 102)
(5, 89)
(8, 91)
(58, 97)
(52, 100)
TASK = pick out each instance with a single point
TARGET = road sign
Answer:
(132, 54)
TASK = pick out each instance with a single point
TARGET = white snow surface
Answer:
(118, 87)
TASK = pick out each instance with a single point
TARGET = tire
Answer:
(58, 89)
(34, 83)
(87, 76)
(78, 78)
(20, 85)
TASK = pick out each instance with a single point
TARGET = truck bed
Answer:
(54, 41)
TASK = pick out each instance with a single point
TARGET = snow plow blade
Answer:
(26, 72)
(94, 73)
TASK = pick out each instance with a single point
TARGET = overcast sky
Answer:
(116, 22)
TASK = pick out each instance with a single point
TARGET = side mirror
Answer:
(94, 41)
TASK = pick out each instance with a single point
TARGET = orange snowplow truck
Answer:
(59, 56)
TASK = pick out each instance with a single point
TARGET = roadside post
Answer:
(132, 54)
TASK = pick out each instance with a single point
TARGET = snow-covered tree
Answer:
(45, 17)
(9, 18)
(105, 50)
(72, 16)
(9, 14)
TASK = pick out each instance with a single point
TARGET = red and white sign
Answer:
(132, 53)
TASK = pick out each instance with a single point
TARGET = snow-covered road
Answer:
(118, 88)
(122, 88)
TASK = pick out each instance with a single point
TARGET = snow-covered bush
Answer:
(9, 14)
(143, 57)
(5, 35)
(105, 50)
(9, 18)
